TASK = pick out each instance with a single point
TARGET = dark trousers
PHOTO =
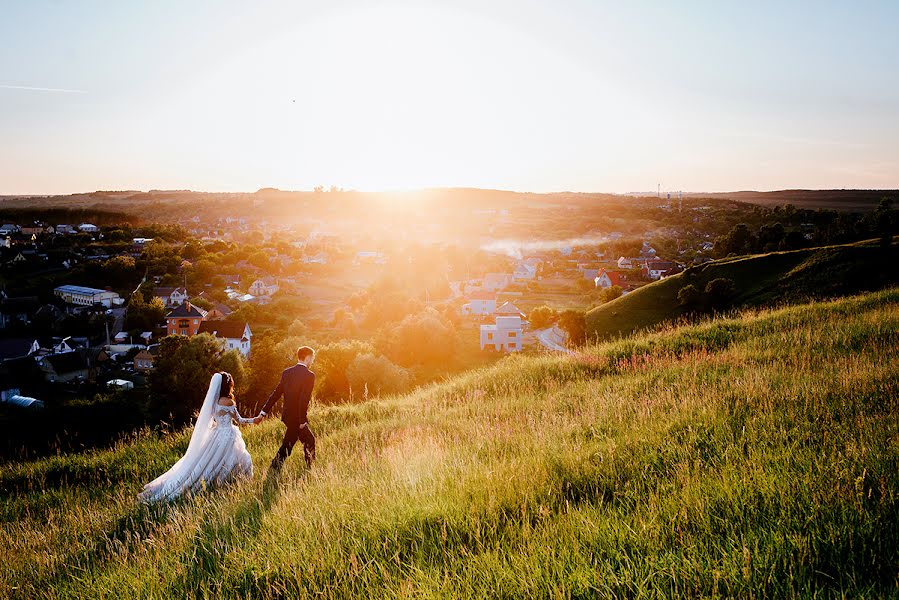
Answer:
(294, 433)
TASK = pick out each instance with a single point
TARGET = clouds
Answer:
(28, 88)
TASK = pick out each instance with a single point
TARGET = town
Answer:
(104, 310)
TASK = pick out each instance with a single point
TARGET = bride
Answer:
(216, 452)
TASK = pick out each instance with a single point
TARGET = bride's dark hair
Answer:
(227, 385)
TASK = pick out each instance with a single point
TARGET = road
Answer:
(551, 338)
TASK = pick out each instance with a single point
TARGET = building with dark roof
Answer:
(236, 335)
(184, 319)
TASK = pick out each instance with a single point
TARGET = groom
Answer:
(296, 387)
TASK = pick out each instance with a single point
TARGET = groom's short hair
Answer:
(303, 352)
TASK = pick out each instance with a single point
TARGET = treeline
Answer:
(789, 228)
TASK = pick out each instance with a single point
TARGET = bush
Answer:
(689, 296)
(610, 293)
(719, 291)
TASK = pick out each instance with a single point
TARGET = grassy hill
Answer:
(748, 456)
(760, 280)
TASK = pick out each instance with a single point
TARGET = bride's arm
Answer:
(240, 419)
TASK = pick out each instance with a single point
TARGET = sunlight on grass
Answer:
(750, 455)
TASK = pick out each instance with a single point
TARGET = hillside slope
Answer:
(752, 456)
(760, 280)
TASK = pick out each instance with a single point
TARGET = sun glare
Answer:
(390, 99)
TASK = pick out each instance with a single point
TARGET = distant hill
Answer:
(759, 280)
(842, 200)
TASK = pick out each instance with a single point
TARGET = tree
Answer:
(719, 291)
(331, 364)
(793, 240)
(885, 221)
(369, 375)
(421, 339)
(144, 315)
(542, 317)
(689, 296)
(739, 240)
(181, 374)
(266, 363)
(120, 272)
(574, 323)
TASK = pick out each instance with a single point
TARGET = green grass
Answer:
(749, 456)
(760, 280)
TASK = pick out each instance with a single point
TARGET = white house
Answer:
(235, 335)
(65, 229)
(507, 309)
(607, 279)
(5, 242)
(504, 335)
(265, 287)
(88, 228)
(625, 263)
(8, 228)
(480, 303)
(524, 271)
(171, 296)
(655, 269)
(85, 296)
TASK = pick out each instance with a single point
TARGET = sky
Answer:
(527, 95)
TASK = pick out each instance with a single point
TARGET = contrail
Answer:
(40, 89)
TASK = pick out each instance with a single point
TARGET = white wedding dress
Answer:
(216, 452)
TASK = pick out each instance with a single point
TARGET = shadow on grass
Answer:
(219, 534)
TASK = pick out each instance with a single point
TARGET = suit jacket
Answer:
(296, 387)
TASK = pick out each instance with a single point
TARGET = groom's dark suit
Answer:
(296, 387)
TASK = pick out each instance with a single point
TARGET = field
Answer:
(759, 280)
(751, 456)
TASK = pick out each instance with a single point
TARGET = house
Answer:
(84, 296)
(218, 312)
(625, 263)
(265, 287)
(88, 228)
(120, 384)
(507, 309)
(16, 348)
(8, 228)
(504, 335)
(494, 282)
(171, 296)
(65, 367)
(319, 259)
(16, 376)
(524, 271)
(655, 269)
(236, 335)
(65, 229)
(184, 319)
(34, 229)
(607, 279)
(5, 242)
(17, 310)
(590, 274)
(145, 359)
(480, 303)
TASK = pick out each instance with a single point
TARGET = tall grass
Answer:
(750, 456)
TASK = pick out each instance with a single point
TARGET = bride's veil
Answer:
(172, 480)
